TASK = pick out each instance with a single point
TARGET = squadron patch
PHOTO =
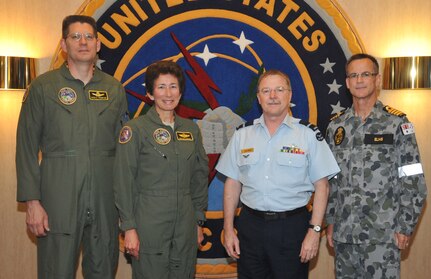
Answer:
(394, 111)
(184, 136)
(339, 135)
(67, 96)
(407, 129)
(162, 136)
(125, 135)
(96, 95)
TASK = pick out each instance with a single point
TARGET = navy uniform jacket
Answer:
(381, 187)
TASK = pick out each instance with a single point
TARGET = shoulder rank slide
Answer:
(313, 127)
(336, 115)
(393, 111)
(248, 123)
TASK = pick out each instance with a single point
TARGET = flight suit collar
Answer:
(97, 75)
(154, 117)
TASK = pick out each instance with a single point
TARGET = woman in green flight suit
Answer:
(161, 182)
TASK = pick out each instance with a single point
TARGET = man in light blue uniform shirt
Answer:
(273, 167)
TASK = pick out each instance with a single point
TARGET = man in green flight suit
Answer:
(71, 115)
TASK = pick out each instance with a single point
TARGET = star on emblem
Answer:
(206, 55)
(337, 107)
(99, 63)
(327, 66)
(334, 86)
(242, 42)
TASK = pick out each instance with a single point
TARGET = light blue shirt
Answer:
(277, 173)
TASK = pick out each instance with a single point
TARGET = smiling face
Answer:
(363, 88)
(83, 50)
(166, 93)
(275, 103)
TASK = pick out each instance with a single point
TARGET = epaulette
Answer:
(336, 115)
(245, 124)
(313, 127)
(393, 111)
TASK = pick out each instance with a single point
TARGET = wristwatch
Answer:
(315, 228)
(200, 223)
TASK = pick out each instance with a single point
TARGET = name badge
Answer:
(379, 139)
(184, 136)
(96, 95)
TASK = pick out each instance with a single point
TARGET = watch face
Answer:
(316, 228)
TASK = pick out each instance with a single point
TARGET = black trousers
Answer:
(270, 248)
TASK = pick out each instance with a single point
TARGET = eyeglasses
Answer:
(172, 87)
(364, 75)
(77, 36)
(277, 90)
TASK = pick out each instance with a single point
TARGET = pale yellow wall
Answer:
(32, 28)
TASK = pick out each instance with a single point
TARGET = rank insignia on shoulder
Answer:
(125, 135)
(184, 136)
(248, 123)
(313, 127)
(336, 115)
(393, 111)
(407, 129)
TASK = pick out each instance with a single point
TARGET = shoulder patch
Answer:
(393, 111)
(313, 127)
(125, 135)
(336, 115)
(248, 123)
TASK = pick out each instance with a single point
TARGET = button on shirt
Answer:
(277, 172)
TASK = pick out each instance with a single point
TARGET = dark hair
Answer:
(274, 72)
(67, 21)
(162, 68)
(360, 56)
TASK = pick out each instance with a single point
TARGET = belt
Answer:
(273, 215)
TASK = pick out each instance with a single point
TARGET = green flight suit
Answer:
(161, 190)
(75, 127)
